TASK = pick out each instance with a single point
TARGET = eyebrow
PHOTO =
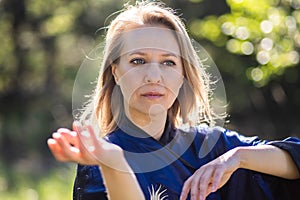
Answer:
(143, 54)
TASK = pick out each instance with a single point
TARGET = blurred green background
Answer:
(255, 45)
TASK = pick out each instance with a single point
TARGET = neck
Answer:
(152, 124)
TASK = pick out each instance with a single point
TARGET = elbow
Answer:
(294, 176)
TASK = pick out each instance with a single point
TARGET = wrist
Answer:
(239, 155)
(121, 166)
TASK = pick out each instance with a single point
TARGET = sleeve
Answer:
(273, 187)
(292, 146)
(231, 139)
(215, 141)
(284, 188)
(219, 140)
(88, 184)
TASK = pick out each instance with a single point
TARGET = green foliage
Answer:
(42, 46)
(267, 30)
(43, 43)
(56, 184)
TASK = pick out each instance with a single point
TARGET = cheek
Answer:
(173, 90)
(174, 82)
(172, 96)
(129, 82)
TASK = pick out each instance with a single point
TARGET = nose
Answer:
(153, 73)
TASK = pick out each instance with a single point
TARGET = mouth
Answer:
(152, 95)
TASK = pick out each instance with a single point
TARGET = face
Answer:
(149, 71)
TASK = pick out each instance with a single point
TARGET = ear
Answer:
(113, 71)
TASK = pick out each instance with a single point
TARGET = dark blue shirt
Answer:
(162, 166)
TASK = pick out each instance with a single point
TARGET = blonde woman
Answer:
(151, 83)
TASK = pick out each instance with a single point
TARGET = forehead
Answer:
(162, 39)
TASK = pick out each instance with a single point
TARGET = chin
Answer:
(157, 109)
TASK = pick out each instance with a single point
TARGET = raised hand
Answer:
(210, 177)
(81, 145)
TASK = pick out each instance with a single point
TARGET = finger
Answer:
(71, 136)
(216, 180)
(56, 150)
(208, 190)
(96, 140)
(186, 188)
(83, 138)
(86, 146)
(71, 153)
(199, 189)
(96, 143)
(195, 186)
(77, 126)
(83, 135)
(63, 130)
(86, 143)
(98, 148)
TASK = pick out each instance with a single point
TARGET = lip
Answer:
(152, 95)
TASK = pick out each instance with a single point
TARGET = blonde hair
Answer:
(193, 103)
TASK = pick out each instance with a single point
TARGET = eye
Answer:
(169, 63)
(137, 61)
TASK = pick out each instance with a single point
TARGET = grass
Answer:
(54, 185)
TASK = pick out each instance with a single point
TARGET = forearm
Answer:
(121, 184)
(268, 159)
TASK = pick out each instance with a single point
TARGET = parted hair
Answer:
(192, 105)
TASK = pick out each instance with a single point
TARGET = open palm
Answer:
(81, 145)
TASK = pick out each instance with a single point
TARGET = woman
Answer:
(151, 83)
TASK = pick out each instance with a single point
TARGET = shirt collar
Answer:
(131, 130)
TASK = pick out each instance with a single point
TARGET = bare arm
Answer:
(121, 185)
(119, 179)
(268, 159)
(264, 158)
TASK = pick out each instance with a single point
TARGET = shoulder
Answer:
(292, 146)
(227, 136)
(219, 139)
(202, 131)
(208, 140)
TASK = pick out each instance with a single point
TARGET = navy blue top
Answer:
(162, 166)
